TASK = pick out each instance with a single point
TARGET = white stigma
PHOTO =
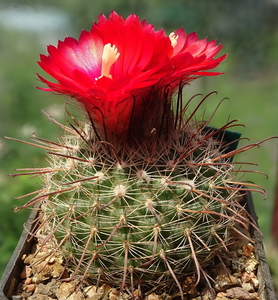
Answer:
(109, 57)
(173, 38)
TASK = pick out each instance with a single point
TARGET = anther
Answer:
(173, 38)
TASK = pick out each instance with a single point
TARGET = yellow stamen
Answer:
(109, 57)
(173, 38)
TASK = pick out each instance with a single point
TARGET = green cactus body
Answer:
(141, 218)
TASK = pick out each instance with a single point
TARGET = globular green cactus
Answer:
(140, 217)
(140, 193)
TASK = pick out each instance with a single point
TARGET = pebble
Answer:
(26, 273)
(153, 296)
(255, 282)
(69, 291)
(240, 294)
(28, 281)
(40, 297)
(93, 292)
(225, 281)
(29, 288)
(49, 289)
(17, 297)
(248, 250)
(46, 271)
(248, 286)
(251, 265)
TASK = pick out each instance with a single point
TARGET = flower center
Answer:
(109, 57)
(173, 38)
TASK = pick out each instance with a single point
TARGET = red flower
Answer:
(119, 69)
(192, 57)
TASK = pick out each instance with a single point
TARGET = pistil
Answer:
(109, 57)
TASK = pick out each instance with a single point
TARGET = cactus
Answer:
(132, 196)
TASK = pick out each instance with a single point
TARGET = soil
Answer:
(233, 277)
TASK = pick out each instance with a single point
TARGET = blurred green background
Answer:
(249, 30)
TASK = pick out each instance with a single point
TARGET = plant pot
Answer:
(266, 289)
(11, 276)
